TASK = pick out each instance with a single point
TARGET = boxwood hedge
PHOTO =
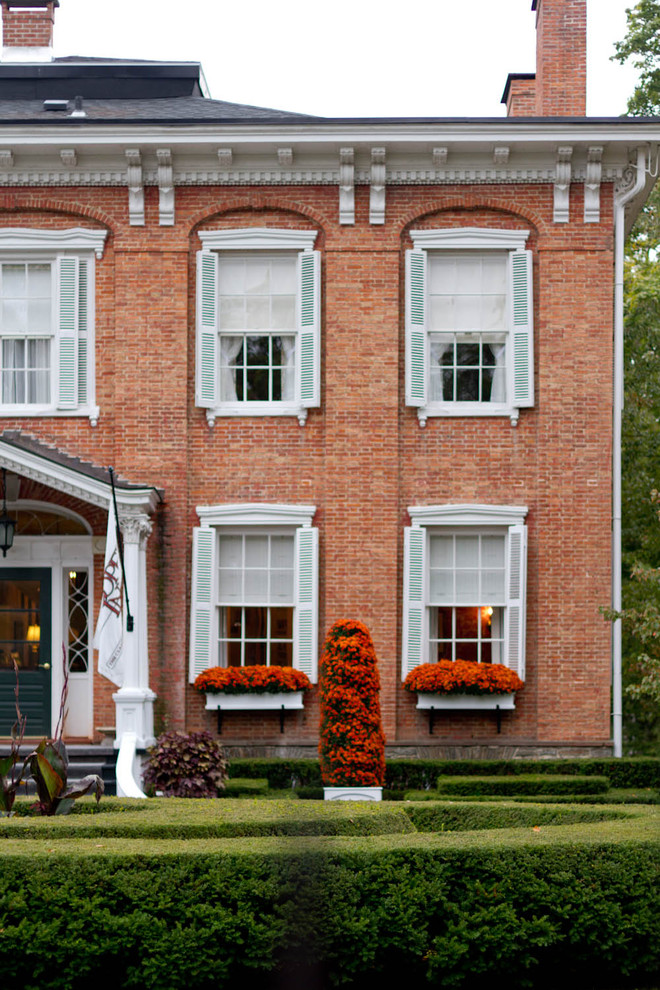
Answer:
(336, 895)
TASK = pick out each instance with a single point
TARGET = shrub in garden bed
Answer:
(523, 784)
(352, 744)
(185, 765)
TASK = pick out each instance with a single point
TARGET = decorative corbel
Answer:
(6, 158)
(562, 184)
(165, 188)
(285, 157)
(210, 418)
(377, 189)
(501, 156)
(440, 157)
(135, 188)
(346, 186)
(592, 184)
(225, 157)
(68, 157)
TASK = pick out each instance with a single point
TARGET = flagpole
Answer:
(120, 546)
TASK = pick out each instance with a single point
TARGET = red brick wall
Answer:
(27, 28)
(561, 58)
(362, 457)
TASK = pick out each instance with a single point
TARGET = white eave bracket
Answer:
(346, 186)
(135, 182)
(592, 184)
(165, 188)
(562, 184)
(377, 188)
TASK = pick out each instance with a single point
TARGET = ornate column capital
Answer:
(136, 528)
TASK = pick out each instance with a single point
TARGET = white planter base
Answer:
(353, 793)
(466, 702)
(289, 700)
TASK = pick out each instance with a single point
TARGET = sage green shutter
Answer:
(206, 363)
(305, 627)
(520, 264)
(67, 333)
(83, 332)
(414, 604)
(516, 594)
(309, 281)
(416, 346)
(202, 606)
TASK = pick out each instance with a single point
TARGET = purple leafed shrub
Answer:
(186, 765)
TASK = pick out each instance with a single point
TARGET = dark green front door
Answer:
(25, 614)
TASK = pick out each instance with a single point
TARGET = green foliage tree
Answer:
(641, 417)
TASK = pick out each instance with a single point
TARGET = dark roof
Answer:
(30, 444)
(100, 79)
(192, 109)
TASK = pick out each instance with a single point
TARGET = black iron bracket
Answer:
(282, 711)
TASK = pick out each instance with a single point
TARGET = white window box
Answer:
(465, 702)
(250, 702)
(353, 793)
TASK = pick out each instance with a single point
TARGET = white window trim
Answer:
(252, 516)
(469, 238)
(31, 245)
(465, 239)
(260, 239)
(256, 514)
(467, 515)
(493, 518)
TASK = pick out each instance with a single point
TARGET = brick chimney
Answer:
(27, 30)
(559, 88)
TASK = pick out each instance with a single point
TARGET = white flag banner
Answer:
(108, 639)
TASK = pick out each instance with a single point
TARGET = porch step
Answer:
(83, 760)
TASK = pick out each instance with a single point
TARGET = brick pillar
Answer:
(561, 58)
(28, 23)
(520, 95)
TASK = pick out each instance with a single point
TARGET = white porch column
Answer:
(134, 700)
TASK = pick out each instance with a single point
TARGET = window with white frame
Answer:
(47, 321)
(469, 346)
(258, 322)
(464, 585)
(254, 588)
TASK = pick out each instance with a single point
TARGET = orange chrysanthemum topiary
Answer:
(255, 679)
(462, 677)
(352, 744)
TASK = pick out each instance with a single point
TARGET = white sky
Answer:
(341, 59)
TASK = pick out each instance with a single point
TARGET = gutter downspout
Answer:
(620, 202)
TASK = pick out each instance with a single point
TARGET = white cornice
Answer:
(265, 238)
(37, 239)
(256, 514)
(464, 238)
(70, 482)
(467, 515)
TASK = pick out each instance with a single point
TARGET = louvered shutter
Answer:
(520, 267)
(309, 280)
(83, 332)
(305, 633)
(67, 336)
(515, 606)
(202, 653)
(414, 605)
(416, 346)
(206, 364)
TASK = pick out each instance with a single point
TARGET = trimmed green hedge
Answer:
(470, 817)
(468, 919)
(644, 795)
(408, 774)
(523, 784)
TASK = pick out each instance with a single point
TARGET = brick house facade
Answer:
(342, 368)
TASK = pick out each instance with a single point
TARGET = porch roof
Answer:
(29, 457)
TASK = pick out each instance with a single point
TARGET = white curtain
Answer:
(498, 388)
(438, 350)
(288, 369)
(229, 349)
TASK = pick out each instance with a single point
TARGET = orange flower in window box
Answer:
(255, 679)
(462, 677)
